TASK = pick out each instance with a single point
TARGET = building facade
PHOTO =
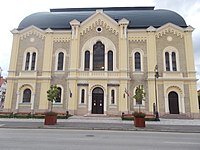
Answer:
(98, 56)
(3, 83)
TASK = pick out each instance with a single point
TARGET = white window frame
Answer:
(141, 59)
(80, 94)
(62, 94)
(56, 59)
(110, 97)
(30, 50)
(88, 46)
(170, 50)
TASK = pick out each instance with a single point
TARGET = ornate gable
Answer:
(99, 19)
(32, 30)
(170, 28)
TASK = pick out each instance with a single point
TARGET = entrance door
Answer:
(173, 103)
(97, 101)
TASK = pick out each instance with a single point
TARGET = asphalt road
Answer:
(59, 139)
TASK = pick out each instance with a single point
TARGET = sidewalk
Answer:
(105, 123)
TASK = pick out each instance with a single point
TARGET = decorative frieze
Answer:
(97, 23)
(61, 38)
(137, 38)
(32, 33)
(169, 30)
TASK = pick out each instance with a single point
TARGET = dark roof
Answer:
(139, 17)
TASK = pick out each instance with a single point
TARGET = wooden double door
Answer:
(173, 103)
(98, 101)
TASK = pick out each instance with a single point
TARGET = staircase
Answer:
(175, 116)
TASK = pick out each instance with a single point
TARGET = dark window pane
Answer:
(60, 61)
(58, 100)
(110, 61)
(174, 61)
(26, 96)
(167, 61)
(33, 61)
(98, 56)
(27, 61)
(113, 97)
(82, 96)
(87, 60)
(137, 62)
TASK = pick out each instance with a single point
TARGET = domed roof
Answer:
(139, 17)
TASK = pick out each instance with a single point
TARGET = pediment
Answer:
(33, 30)
(170, 28)
(99, 19)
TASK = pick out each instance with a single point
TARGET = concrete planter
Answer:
(139, 122)
(50, 119)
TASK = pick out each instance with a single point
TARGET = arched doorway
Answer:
(173, 103)
(97, 101)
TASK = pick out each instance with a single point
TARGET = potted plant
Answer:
(139, 117)
(52, 95)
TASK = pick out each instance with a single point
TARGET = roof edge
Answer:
(104, 8)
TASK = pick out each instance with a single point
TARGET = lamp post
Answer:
(156, 77)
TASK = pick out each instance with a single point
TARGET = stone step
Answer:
(175, 116)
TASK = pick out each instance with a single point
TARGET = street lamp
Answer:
(156, 77)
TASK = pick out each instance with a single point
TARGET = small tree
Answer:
(139, 95)
(52, 95)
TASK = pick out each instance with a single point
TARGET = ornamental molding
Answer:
(170, 28)
(32, 30)
(137, 38)
(99, 19)
(101, 23)
(61, 38)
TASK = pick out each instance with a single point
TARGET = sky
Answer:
(13, 11)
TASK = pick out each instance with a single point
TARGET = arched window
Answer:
(167, 63)
(82, 96)
(60, 61)
(170, 61)
(137, 61)
(30, 60)
(26, 96)
(112, 96)
(58, 100)
(27, 61)
(33, 61)
(87, 60)
(110, 61)
(98, 56)
(174, 68)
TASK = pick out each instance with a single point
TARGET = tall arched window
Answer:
(87, 61)
(170, 60)
(26, 96)
(98, 56)
(27, 61)
(33, 61)
(60, 61)
(30, 60)
(167, 63)
(137, 61)
(174, 68)
(58, 100)
(110, 61)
